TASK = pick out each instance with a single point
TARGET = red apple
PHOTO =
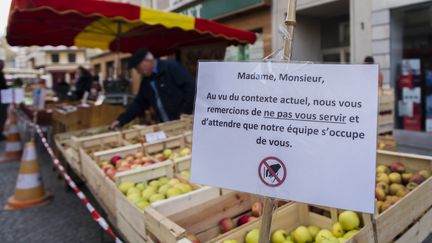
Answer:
(159, 157)
(226, 225)
(114, 159)
(397, 167)
(257, 208)
(106, 167)
(192, 238)
(111, 173)
(418, 179)
(244, 219)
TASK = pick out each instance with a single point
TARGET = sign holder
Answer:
(270, 204)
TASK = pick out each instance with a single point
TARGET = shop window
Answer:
(55, 58)
(411, 52)
(335, 40)
(71, 57)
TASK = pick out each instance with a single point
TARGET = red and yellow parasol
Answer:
(112, 26)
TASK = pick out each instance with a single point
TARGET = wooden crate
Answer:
(174, 143)
(201, 220)
(387, 142)
(395, 220)
(386, 100)
(128, 232)
(188, 138)
(174, 128)
(386, 111)
(137, 134)
(287, 217)
(97, 141)
(419, 231)
(135, 216)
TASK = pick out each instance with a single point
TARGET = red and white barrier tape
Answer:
(95, 214)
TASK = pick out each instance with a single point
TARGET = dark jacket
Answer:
(176, 89)
(83, 84)
(3, 84)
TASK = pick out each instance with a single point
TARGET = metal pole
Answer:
(270, 203)
(117, 64)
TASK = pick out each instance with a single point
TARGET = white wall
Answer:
(361, 31)
(307, 40)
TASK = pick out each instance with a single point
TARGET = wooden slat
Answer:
(167, 231)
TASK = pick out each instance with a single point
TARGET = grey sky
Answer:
(4, 12)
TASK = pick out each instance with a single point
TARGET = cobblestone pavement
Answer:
(64, 219)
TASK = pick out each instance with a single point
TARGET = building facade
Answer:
(59, 63)
(397, 33)
(251, 15)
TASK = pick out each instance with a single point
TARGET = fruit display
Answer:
(347, 226)
(143, 194)
(227, 224)
(139, 159)
(394, 182)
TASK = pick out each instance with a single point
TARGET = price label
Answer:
(155, 136)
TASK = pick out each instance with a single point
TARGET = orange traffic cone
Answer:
(7, 125)
(29, 191)
(13, 149)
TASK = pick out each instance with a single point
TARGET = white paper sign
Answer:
(300, 132)
(155, 136)
(411, 95)
(428, 125)
(9, 96)
(405, 108)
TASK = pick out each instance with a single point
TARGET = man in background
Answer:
(166, 86)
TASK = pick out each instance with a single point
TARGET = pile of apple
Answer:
(394, 182)
(143, 194)
(347, 226)
(227, 224)
(133, 161)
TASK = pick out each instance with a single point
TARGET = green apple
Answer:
(342, 240)
(349, 220)
(156, 197)
(322, 235)
(141, 186)
(330, 240)
(350, 234)
(185, 152)
(133, 190)
(288, 241)
(167, 153)
(252, 236)
(148, 192)
(229, 241)
(185, 174)
(337, 230)
(279, 236)
(174, 182)
(141, 204)
(154, 183)
(125, 186)
(184, 188)
(172, 192)
(313, 230)
(163, 189)
(134, 198)
(302, 235)
(162, 181)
